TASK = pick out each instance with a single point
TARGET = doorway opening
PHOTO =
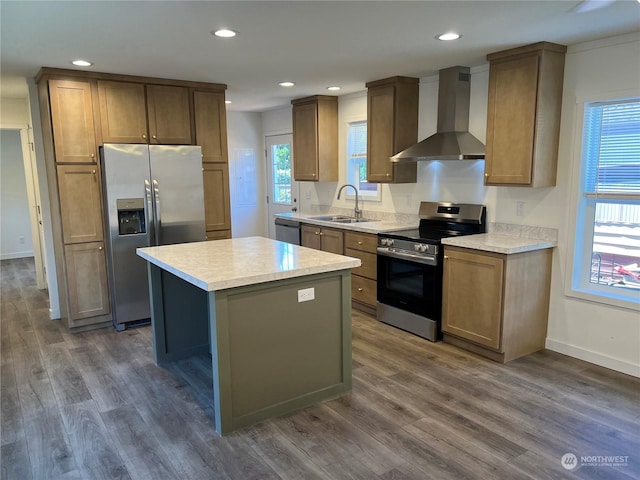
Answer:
(22, 228)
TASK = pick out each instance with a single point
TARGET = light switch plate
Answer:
(306, 294)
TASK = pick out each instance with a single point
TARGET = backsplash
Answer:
(525, 231)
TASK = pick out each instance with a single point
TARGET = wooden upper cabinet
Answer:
(216, 197)
(123, 113)
(169, 114)
(211, 125)
(392, 126)
(80, 203)
(72, 121)
(315, 138)
(523, 115)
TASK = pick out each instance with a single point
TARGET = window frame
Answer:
(368, 195)
(582, 216)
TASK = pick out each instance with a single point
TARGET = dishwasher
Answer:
(288, 231)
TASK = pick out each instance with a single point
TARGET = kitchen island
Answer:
(275, 317)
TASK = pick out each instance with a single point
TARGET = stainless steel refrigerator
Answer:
(153, 195)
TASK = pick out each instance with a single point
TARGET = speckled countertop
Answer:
(375, 226)
(507, 239)
(222, 264)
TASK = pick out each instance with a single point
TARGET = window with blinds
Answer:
(357, 161)
(607, 250)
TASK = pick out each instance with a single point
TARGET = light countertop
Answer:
(500, 243)
(222, 264)
(374, 227)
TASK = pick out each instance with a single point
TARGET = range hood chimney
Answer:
(452, 141)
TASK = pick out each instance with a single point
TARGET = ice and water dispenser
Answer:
(131, 219)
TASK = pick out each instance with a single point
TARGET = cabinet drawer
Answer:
(364, 290)
(360, 241)
(369, 261)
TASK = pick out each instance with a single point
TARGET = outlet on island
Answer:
(306, 294)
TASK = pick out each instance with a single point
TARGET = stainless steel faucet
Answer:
(357, 212)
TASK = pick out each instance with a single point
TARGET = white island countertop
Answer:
(499, 243)
(221, 264)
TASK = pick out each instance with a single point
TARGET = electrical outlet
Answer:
(519, 209)
(307, 195)
(21, 240)
(306, 294)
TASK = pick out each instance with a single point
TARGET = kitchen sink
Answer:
(341, 219)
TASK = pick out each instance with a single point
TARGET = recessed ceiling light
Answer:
(227, 102)
(81, 63)
(286, 84)
(224, 33)
(449, 36)
(334, 88)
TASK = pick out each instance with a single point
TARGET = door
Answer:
(216, 197)
(123, 112)
(282, 196)
(80, 203)
(176, 173)
(169, 115)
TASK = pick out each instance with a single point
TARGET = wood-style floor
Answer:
(93, 405)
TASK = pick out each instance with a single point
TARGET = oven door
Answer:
(410, 286)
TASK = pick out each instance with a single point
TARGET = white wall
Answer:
(592, 331)
(246, 174)
(604, 335)
(15, 226)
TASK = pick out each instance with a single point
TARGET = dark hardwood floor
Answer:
(94, 406)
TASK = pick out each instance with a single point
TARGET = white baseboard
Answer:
(11, 256)
(593, 357)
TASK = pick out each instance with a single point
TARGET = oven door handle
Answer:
(425, 260)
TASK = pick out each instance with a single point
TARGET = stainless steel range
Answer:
(410, 266)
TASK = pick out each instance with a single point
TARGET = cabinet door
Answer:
(364, 290)
(211, 125)
(123, 112)
(332, 240)
(216, 196)
(511, 119)
(380, 133)
(86, 280)
(169, 115)
(80, 203)
(310, 236)
(472, 297)
(305, 142)
(72, 118)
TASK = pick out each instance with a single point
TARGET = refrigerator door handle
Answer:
(148, 212)
(157, 222)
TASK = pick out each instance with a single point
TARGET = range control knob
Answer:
(383, 241)
(416, 247)
(424, 247)
(390, 242)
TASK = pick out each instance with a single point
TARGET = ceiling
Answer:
(312, 43)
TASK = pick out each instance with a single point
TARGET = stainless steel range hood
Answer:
(452, 141)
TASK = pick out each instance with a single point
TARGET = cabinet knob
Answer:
(93, 155)
(144, 136)
(317, 233)
(360, 289)
(359, 243)
(93, 171)
(100, 248)
(313, 174)
(321, 233)
(486, 175)
(154, 137)
(446, 256)
(388, 174)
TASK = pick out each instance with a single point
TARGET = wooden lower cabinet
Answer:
(364, 278)
(496, 305)
(326, 239)
(218, 234)
(87, 281)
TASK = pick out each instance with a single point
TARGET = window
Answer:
(607, 250)
(357, 161)
(281, 171)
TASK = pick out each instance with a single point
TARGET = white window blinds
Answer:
(611, 141)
